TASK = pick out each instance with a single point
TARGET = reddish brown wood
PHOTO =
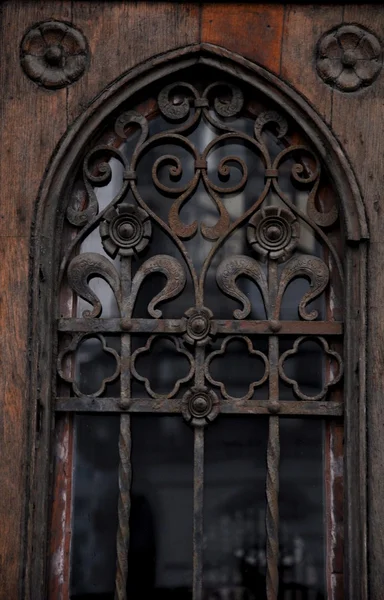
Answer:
(13, 361)
(334, 501)
(250, 29)
(31, 124)
(32, 119)
(123, 34)
(303, 26)
(60, 529)
(357, 121)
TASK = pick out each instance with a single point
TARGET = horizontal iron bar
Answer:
(248, 407)
(223, 327)
(123, 325)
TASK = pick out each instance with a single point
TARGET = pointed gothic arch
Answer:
(48, 224)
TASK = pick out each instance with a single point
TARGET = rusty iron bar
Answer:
(125, 366)
(198, 493)
(310, 408)
(272, 515)
(273, 451)
(124, 506)
(125, 442)
(224, 327)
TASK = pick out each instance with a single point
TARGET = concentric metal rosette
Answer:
(200, 406)
(273, 233)
(200, 326)
(126, 230)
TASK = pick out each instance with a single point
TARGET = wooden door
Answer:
(66, 66)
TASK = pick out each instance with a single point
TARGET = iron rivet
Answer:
(126, 324)
(123, 404)
(274, 325)
(274, 407)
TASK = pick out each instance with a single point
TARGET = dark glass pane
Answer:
(302, 541)
(234, 513)
(239, 367)
(306, 367)
(96, 364)
(160, 557)
(234, 507)
(93, 560)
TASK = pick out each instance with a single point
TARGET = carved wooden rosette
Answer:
(349, 57)
(54, 54)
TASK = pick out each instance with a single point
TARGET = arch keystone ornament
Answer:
(54, 54)
(349, 57)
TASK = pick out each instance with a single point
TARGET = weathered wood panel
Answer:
(32, 120)
(121, 35)
(250, 29)
(303, 26)
(357, 121)
(13, 365)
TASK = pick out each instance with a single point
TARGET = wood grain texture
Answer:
(121, 35)
(32, 121)
(13, 364)
(303, 26)
(250, 29)
(61, 515)
(357, 120)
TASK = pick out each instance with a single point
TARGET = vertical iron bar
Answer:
(198, 489)
(124, 506)
(273, 451)
(125, 441)
(272, 516)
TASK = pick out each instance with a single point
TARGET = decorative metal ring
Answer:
(199, 327)
(125, 230)
(200, 406)
(273, 232)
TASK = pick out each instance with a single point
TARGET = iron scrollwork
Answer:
(273, 225)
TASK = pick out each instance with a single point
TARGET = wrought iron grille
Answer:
(271, 226)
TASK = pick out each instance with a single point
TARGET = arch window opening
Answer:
(199, 391)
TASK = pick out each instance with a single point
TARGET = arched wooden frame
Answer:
(48, 223)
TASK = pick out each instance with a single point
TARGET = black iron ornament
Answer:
(273, 232)
(126, 230)
(274, 256)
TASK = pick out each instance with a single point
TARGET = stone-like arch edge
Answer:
(44, 258)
